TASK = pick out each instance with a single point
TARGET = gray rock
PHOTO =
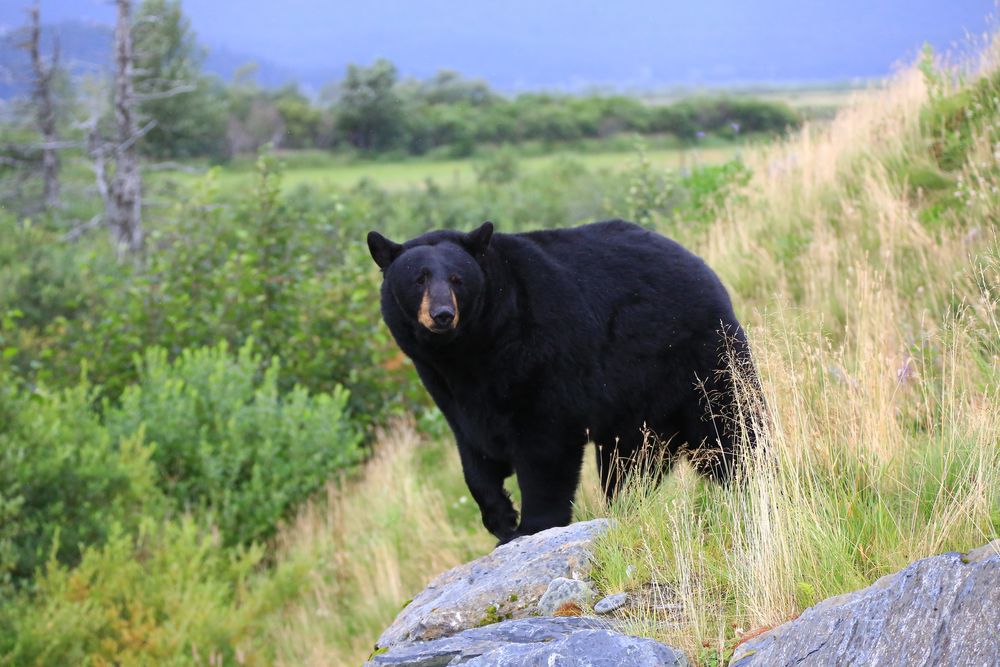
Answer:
(610, 603)
(585, 648)
(563, 591)
(533, 641)
(943, 610)
(505, 584)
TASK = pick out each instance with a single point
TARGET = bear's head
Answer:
(436, 280)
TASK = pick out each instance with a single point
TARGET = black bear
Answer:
(533, 343)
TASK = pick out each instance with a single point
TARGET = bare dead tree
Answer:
(43, 105)
(125, 214)
(45, 110)
(116, 160)
(115, 153)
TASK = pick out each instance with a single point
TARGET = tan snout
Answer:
(438, 311)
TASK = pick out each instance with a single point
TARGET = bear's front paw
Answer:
(502, 523)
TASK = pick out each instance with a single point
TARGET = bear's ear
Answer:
(479, 240)
(383, 250)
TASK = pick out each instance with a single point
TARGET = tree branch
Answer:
(128, 143)
(163, 94)
(82, 228)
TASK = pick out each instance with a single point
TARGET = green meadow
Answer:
(322, 171)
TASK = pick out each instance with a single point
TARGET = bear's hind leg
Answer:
(707, 442)
(652, 457)
(612, 468)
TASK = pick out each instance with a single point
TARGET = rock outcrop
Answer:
(942, 610)
(498, 611)
(555, 642)
(503, 585)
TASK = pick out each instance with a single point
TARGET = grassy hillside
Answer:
(864, 258)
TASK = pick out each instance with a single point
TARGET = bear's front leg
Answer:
(485, 477)
(548, 485)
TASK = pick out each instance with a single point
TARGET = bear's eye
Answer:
(422, 278)
(454, 280)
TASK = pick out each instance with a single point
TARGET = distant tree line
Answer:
(372, 110)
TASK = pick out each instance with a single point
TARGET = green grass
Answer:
(331, 172)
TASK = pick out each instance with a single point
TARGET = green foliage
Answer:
(723, 116)
(291, 272)
(648, 190)
(38, 274)
(467, 122)
(227, 443)
(369, 110)
(187, 106)
(951, 121)
(711, 186)
(682, 205)
(65, 480)
(376, 113)
(449, 87)
(169, 595)
(210, 430)
(499, 168)
(303, 125)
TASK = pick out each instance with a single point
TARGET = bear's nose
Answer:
(443, 316)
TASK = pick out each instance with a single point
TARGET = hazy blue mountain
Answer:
(85, 48)
(571, 44)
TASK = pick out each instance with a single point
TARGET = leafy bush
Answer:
(292, 272)
(64, 479)
(227, 444)
(169, 595)
(210, 430)
(44, 282)
(951, 120)
(499, 168)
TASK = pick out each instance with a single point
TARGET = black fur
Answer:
(561, 336)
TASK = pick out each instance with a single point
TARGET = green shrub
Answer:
(209, 433)
(227, 443)
(169, 595)
(292, 272)
(950, 121)
(64, 479)
(498, 168)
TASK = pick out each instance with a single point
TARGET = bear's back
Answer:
(621, 273)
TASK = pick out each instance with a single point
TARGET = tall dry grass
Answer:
(370, 544)
(875, 329)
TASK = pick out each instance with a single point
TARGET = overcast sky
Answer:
(561, 42)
